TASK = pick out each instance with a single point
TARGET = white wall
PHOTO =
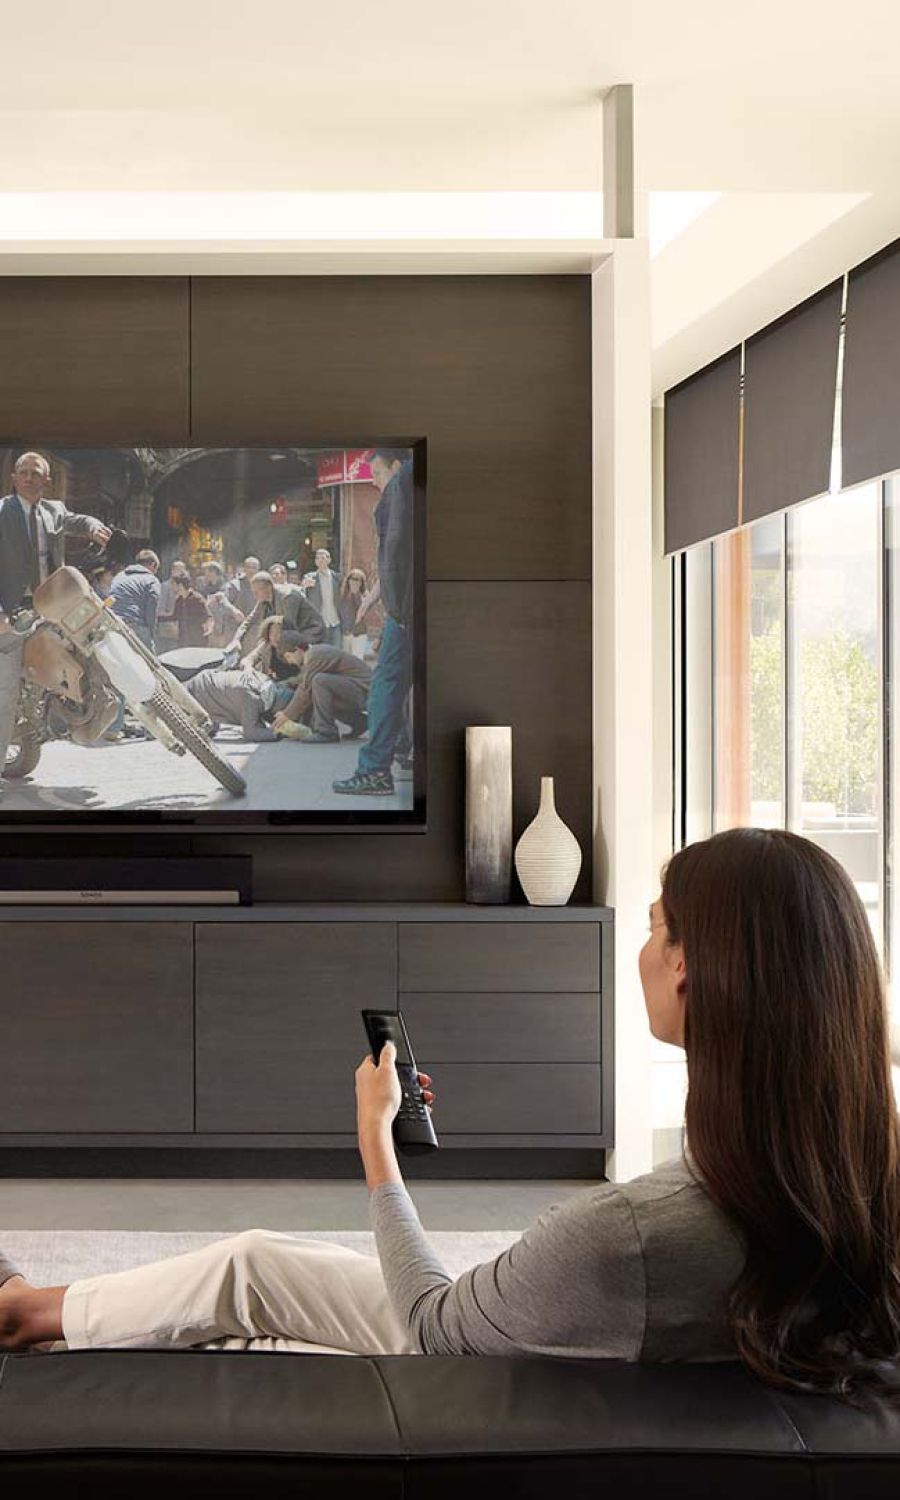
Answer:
(623, 670)
(668, 1074)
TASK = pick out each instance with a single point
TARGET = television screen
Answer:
(212, 635)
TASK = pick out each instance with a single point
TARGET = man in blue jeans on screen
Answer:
(392, 473)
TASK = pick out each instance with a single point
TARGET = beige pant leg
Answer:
(258, 1289)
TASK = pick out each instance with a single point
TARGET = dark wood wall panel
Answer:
(493, 370)
(95, 359)
(503, 653)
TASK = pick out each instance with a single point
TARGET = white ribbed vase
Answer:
(548, 857)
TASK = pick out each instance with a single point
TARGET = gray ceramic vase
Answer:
(488, 813)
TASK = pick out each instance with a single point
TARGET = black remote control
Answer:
(412, 1129)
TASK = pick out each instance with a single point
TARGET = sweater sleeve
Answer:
(7, 1269)
(572, 1285)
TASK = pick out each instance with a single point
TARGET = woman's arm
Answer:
(408, 1262)
(573, 1284)
(376, 1147)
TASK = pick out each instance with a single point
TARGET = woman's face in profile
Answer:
(662, 971)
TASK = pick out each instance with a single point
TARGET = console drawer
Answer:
(514, 957)
(464, 1027)
(523, 1098)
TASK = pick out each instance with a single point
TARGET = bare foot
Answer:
(29, 1314)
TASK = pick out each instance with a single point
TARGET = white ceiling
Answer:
(481, 95)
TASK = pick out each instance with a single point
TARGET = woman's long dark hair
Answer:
(790, 1116)
(353, 573)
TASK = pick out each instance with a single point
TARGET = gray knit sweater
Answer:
(635, 1271)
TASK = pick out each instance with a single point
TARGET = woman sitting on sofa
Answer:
(773, 1239)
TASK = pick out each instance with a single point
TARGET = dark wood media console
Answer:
(175, 1027)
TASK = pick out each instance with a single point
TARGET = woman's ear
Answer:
(679, 976)
(679, 968)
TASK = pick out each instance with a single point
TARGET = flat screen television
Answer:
(223, 637)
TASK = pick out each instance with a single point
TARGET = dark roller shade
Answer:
(790, 375)
(870, 403)
(702, 419)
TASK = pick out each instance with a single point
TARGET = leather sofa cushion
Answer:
(410, 1425)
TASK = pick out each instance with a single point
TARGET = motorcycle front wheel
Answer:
(23, 753)
(187, 734)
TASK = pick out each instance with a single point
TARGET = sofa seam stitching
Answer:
(791, 1423)
(390, 1401)
(3, 1363)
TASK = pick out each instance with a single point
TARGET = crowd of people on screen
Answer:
(297, 661)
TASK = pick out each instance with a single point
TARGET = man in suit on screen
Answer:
(33, 535)
(323, 590)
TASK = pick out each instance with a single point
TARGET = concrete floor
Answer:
(249, 1203)
(143, 774)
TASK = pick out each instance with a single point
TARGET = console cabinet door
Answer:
(96, 1025)
(279, 1034)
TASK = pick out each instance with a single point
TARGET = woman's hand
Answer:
(378, 1091)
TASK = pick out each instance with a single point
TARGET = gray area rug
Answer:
(56, 1257)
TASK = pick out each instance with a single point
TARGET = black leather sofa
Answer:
(104, 1423)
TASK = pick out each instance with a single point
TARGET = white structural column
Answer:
(625, 875)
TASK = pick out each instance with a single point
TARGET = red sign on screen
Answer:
(348, 466)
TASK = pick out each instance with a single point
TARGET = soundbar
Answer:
(213, 881)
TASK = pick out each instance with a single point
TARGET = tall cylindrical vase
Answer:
(488, 813)
(548, 856)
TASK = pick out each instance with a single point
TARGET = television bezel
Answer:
(217, 821)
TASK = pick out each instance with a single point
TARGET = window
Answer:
(766, 667)
(749, 677)
(834, 672)
(791, 627)
(797, 681)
